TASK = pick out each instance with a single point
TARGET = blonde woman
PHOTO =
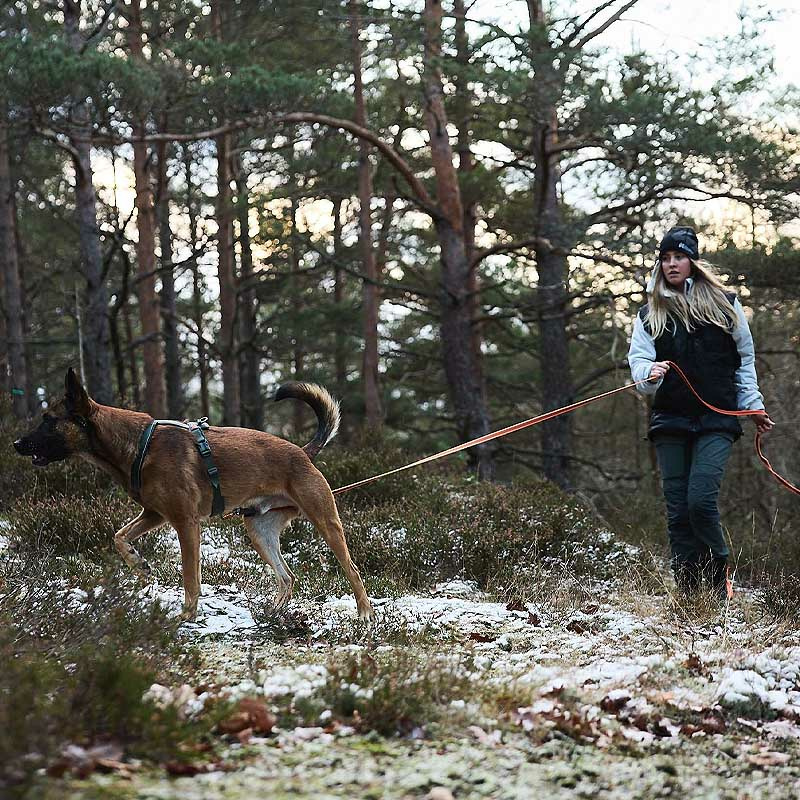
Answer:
(692, 320)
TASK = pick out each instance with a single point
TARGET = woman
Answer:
(693, 321)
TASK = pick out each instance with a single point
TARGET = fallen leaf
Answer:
(641, 721)
(768, 758)
(186, 768)
(244, 736)
(694, 664)
(82, 762)
(261, 719)
(577, 626)
(251, 713)
(492, 739)
(665, 728)
(235, 723)
(615, 700)
(713, 724)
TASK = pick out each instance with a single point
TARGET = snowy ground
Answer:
(634, 698)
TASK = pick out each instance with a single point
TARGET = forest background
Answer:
(445, 213)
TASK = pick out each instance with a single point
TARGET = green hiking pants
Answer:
(692, 467)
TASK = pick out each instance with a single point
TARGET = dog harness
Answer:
(203, 447)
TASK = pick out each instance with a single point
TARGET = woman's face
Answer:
(676, 268)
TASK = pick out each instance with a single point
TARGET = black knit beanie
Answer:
(681, 240)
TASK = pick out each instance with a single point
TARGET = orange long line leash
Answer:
(518, 426)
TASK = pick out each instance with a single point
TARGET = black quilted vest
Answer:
(709, 358)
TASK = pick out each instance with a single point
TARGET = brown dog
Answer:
(256, 470)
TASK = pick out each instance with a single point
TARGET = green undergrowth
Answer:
(78, 655)
(399, 692)
(447, 527)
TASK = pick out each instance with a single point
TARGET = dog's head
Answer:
(64, 429)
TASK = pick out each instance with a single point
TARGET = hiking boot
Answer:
(688, 575)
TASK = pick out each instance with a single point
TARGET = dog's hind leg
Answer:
(264, 531)
(314, 498)
(130, 532)
(189, 538)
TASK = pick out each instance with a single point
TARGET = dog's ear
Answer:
(76, 398)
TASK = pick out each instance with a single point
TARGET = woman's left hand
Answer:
(763, 423)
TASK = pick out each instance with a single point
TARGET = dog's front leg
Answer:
(189, 538)
(130, 532)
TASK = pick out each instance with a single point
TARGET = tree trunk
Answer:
(119, 304)
(225, 267)
(169, 312)
(297, 306)
(12, 282)
(340, 351)
(96, 339)
(252, 406)
(551, 264)
(133, 365)
(466, 165)
(149, 312)
(197, 286)
(461, 365)
(373, 414)
(4, 367)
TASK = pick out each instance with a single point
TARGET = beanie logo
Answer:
(685, 247)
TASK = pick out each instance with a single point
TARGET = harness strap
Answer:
(203, 447)
(136, 468)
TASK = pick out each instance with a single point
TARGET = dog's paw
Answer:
(367, 614)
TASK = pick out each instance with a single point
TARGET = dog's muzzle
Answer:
(25, 448)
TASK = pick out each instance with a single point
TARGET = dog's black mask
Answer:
(61, 433)
(45, 444)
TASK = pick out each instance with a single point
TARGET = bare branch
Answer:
(508, 247)
(109, 10)
(582, 26)
(389, 152)
(53, 137)
(607, 24)
(574, 143)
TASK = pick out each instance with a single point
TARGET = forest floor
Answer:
(605, 690)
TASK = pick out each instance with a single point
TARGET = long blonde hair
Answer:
(706, 304)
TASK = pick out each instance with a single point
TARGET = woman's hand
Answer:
(763, 423)
(658, 370)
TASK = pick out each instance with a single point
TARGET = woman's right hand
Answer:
(658, 370)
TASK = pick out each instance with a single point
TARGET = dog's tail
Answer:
(325, 407)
